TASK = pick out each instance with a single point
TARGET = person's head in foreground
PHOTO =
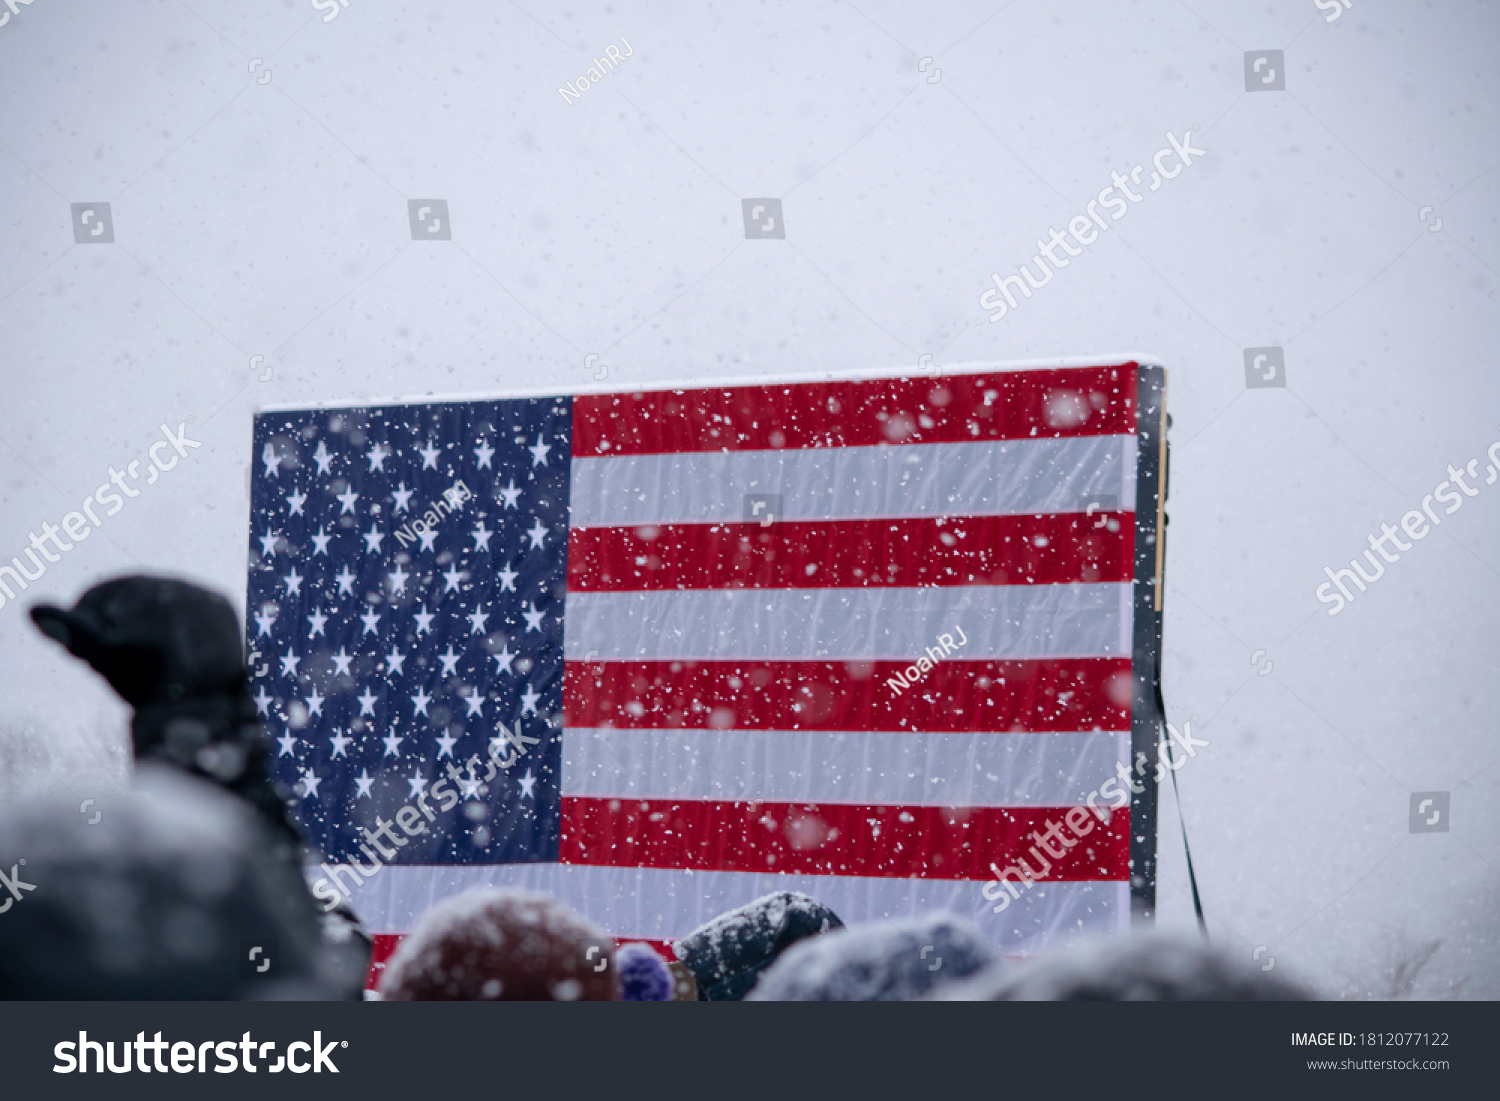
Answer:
(883, 961)
(162, 893)
(644, 976)
(728, 954)
(1149, 967)
(173, 651)
(497, 944)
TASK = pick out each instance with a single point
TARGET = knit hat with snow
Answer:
(644, 976)
(498, 944)
(895, 961)
(1149, 967)
(727, 954)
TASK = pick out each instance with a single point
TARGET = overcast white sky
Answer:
(268, 217)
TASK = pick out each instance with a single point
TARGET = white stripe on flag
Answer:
(936, 769)
(999, 621)
(992, 478)
(657, 904)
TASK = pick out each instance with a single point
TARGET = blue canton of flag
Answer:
(405, 617)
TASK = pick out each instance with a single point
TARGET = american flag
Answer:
(706, 631)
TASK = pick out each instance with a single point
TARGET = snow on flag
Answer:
(659, 653)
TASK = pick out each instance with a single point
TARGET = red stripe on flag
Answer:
(1050, 549)
(1041, 695)
(382, 947)
(1073, 401)
(840, 839)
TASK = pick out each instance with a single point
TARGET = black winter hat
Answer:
(173, 651)
(157, 640)
(727, 954)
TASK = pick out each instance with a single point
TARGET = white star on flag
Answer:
(503, 659)
(539, 452)
(272, 460)
(292, 704)
(474, 702)
(310, 782)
